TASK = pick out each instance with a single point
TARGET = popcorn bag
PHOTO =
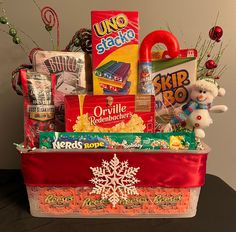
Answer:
(108, 154)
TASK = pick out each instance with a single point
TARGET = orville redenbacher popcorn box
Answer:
(115, 52)
(113, 113)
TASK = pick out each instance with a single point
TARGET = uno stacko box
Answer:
(115, 52)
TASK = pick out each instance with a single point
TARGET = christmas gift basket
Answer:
(113, 183)
(120, 136)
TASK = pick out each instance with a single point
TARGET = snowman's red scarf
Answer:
(188, 109)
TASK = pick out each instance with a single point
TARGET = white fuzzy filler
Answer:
(206, 85)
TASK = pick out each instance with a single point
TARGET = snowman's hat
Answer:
(210, 84)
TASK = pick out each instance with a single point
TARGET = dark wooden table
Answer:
(216, 212)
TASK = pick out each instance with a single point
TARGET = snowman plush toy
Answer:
(196, 113)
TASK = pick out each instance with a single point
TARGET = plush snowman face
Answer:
(201, 95)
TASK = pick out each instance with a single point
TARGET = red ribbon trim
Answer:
(157, 169)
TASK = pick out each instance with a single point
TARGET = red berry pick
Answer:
(210, 64)
(216, 33)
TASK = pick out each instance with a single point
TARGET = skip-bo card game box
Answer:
(115, 52)
(171, 79)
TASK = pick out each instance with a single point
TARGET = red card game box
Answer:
(113, 113)
(115, 52)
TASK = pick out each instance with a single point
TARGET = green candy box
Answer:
(143, 141)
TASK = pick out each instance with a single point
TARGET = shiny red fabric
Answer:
(179, 170)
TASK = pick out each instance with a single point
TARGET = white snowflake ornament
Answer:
(115, 180)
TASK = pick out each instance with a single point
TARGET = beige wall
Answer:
(187, 18)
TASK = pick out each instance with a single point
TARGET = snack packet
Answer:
(140, 141)
(39, 110)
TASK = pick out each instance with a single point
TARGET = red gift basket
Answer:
(105, 182)
(113, 183)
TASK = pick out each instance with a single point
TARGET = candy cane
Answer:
(145, 62)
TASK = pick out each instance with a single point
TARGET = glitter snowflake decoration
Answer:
(115, 180)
